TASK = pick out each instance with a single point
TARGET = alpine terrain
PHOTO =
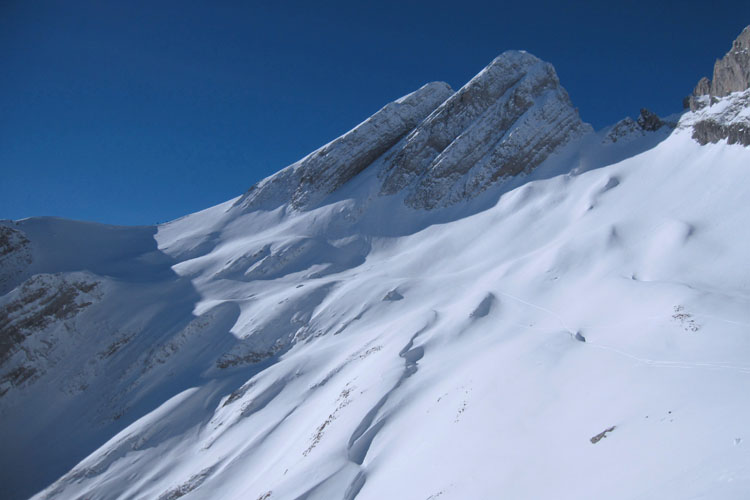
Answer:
(470, 295)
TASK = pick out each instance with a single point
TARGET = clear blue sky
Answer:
(133, 112)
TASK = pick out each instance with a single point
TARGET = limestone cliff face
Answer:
(731, 73)
(720, 106)
(438, 147)
(726, 119)
(505, 121)
(328, 168)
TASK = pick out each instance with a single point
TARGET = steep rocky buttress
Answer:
(718, 117)
(328, 168)
(438, 147)
(507, 120)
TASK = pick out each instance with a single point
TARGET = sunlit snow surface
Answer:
(364, 349)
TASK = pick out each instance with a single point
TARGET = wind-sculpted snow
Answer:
(505, 121)
(325, 170)
(461, 359)
(579, 332)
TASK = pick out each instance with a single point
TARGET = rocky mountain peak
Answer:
(323, 171)
(649, 121)
(437, 146)
(719, 106)
(628, 129)
(505, 121)
(731, 73)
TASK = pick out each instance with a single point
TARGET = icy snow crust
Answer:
(577, 331)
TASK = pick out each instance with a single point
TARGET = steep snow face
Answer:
(505, 121)
(581, 333)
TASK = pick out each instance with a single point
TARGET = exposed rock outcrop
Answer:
(15, 257)
(721, 107)
(728, 120)
(505, 121)
(628, 129)
(328, 168)
(703, 87)
(731, 74)
(649, 121)
(624, 130)
(439, 147)
(29, 310)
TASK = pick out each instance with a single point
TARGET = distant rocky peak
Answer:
(628, 129)
(731, 74)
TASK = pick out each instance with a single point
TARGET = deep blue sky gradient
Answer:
(133, 112)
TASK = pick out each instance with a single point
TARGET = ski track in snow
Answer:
(646, 361)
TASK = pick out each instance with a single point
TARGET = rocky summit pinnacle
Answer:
(437, 147)
(719, 106)
(505, 121)
(731, 73)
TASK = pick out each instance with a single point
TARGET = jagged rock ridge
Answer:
(505, 121)
(731, 73)
(328, 168)
(440, 147)
(628, 129)
(728, 119)
(237, 354)
(717, 115)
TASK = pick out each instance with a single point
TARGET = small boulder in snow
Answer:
(392, 296)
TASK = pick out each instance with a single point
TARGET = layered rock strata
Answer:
(506, 121)
(721, 106)
(731, 74)
(438, 147)
(328, 168)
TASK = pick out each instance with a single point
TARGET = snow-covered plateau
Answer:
(471, 295)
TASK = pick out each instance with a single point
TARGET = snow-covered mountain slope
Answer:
(573, 328)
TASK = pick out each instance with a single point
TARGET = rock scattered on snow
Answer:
(602, 434)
